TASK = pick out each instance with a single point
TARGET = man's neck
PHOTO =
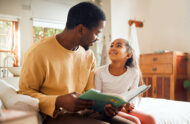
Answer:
(66, 40)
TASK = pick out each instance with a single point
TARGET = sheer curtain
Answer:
(133, 39)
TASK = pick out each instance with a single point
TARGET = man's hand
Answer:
(128, 107)
(72, 103)
(111, 111)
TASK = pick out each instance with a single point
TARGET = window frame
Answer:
(14, 39)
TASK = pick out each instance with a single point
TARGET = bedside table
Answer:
(165, 72)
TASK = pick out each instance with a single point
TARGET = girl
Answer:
(122, 75)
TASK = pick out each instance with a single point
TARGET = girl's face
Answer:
(118, 51)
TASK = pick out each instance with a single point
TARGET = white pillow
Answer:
(1, 104)
(13, 81)
(12, 100)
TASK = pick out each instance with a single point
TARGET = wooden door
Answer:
(162, 88)
(148, 80)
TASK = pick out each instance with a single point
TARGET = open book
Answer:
(115, 100)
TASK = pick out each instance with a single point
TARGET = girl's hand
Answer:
(111, 111)
(128, 107)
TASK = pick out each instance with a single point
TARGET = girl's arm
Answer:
(136, 80)
(134, 85)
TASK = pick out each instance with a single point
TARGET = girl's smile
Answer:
(113, 52)
(118, 51)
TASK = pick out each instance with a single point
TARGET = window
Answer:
(44, 28)
(7, 31)
(8, 40)
(41, 32)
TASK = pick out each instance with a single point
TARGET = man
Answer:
(58, 69)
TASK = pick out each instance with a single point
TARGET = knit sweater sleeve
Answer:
(31, 80)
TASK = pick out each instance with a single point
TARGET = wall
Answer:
(166, 23)
(169, 24)
(27, 9)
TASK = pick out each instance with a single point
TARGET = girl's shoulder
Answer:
(101, 69)
(134, 71)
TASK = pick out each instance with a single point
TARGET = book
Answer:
(101, 99)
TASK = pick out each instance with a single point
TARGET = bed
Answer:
(166, 111)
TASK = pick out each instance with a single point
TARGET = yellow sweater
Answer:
(50, 70)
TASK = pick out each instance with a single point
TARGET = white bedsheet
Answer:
(166, 111)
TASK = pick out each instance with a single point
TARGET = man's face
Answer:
(91, 35)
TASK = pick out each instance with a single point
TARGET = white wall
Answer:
(166, 23)
(27, 9)
(169, 24)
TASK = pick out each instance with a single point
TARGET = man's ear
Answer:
(129, 55)
(80, 29)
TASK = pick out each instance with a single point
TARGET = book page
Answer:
(128, 96)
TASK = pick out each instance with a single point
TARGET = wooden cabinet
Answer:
(165, 72)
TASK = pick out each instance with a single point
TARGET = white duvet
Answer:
(166, 111)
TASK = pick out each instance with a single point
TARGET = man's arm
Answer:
(71, 103)
(31, 80)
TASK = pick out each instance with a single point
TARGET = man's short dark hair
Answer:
(85, 13)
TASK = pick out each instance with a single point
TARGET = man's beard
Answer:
(86, 47)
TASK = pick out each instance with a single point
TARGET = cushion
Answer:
(13, 81)
(12, 100)
(0, 107)
(1, 104)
